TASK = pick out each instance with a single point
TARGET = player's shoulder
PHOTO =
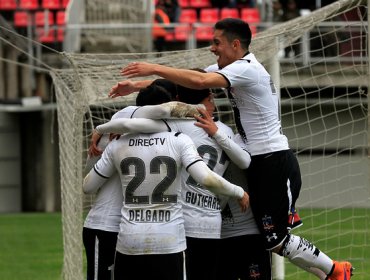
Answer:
(211, 68)
(225, 128)
(181, 124)
(126, 112)
(180, 136)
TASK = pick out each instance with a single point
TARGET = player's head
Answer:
(234, 28)
(153, 95)
(231, 40)
(168, 85)
(196, 96)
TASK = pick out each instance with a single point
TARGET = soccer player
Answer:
(201, 208)
(101, 224)
(151, 240)
(256, 109)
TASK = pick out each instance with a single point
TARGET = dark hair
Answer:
(153, 95)
(234, 28)
(191, 96)
(168, 85)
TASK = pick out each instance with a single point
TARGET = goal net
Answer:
(319, 62)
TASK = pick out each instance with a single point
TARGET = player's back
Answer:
(105, 212)
(149, 166)
(201, 207)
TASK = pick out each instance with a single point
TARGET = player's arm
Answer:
(188, 78)
(173, 109)
(236, 153)
(100, 173)
(94, 150)
(127, 87)
(216, 184)
(92, 182)
(137, 125)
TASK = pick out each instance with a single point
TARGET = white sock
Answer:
(313, 270)
(304, 254)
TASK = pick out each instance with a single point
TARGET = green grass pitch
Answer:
(31, 243)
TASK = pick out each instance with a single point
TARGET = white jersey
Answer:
(149, 164)
(202, 212)
(105, 213)
(255, 103)
(234, 221)
(126, 112)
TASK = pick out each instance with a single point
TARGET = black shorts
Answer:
(274, 183)
(144, 267)
(202, 258)
(100, 248)
(252, 262)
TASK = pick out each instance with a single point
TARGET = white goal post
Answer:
(323, 76)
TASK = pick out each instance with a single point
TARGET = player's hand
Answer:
(137, 69)
(122, 88)
(206, 122)
(114, 136)
(93, 148)
(244, 202)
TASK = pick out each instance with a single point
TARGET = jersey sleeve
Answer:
(201, 173)
(173, 109)
(240, 73)
(187, 150)
(125, 112)
(100, 173)
(139, 125)
(225, 138)
(214, 182)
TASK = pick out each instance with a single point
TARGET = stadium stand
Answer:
(28, 4)
(22, 19)
(229, 13)
(209, 15)
(8, 5)
(188, 16)
(200, 3)
(44, 18)
(51, 4)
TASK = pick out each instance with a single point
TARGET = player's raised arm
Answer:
(137, 125)
(236, 153)
(127, 87)
(185, 77)
(173, 109)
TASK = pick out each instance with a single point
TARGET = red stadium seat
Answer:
(8, 5)
(51, 4)
(229, 13)
(22, 19)
(250, 15)
(170, 36)
(209, 15)
(183, 3)
(65, 3)
(61, 18)
(43, 17)
(29, 4)
(45, 36)
(200, 3)
(60, 35)
(204, 33)
(182, 32)
(188, 16)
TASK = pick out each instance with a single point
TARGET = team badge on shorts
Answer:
(267, 223)
(254, 272)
